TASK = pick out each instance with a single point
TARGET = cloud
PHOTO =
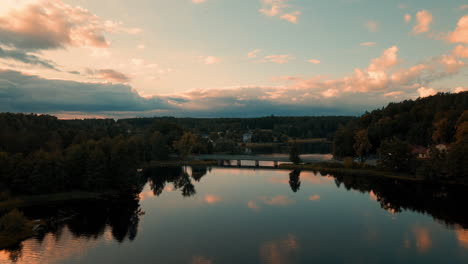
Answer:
(368, 44)
(460, 89)
(314, 197)
(201, 259)
(198, 1)
(252, 205)
(141, 47)
(52, 24)
(408, 18)
(380, 82)
(253, 53)
(27, 58)
(462, 237)
(463, 7)
(211, 60)
(279, 251)
(291, 17)
(424, 20)
(425, 92)
(372, 26)
(279, 59)
(460, 51)
(28, 93)
(330, 93)
(274, 8)
(212, 199)
(460, 35)
(110, 75)
(314, 61)
(280, 200)
(394, 94)
(423, 239)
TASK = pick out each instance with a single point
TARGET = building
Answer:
(420, 152)
(247, 137)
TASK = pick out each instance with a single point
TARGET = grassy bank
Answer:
(351, 171)
(31, 200)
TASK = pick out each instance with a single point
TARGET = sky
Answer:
(227, 58)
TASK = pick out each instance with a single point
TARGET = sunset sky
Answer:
(212, 58)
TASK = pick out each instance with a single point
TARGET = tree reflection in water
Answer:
(86, 219)
(444, 203)
(294, 180)
(158, 177)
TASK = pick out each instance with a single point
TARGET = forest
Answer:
(427, 137)
(43, 154)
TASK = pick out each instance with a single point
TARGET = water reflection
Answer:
(439, 201)
(75, 222)
(294, 180)
(158, 177)
(295, 216)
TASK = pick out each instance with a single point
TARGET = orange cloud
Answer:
(276, 8)
(314, 197)
(460, 35)
(253, 53)
(291, 17)
(279, 59)
(279, 251)
(314, 61)
(211, 60)
(51, 24)
(212, 199)
(460, 51)
(462, 236)
(408, 18)
(368, 44)
(252, 205)
(460, 89)
(425, 92)
(423, 240)
(280, 200)
(201, 259)
(424, 19)
(112, 76)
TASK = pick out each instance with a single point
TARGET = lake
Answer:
(235, 215)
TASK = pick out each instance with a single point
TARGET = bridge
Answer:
(275, 158)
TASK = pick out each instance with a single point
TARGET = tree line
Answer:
(42, 154)
(427, 136)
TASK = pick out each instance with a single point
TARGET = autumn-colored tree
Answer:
(185, 144)
(362, 145)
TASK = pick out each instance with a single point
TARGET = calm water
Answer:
(256, 216)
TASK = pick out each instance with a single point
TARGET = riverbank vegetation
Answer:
(427, 137)
(14, 227)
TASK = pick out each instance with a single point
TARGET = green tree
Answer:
(395, 155)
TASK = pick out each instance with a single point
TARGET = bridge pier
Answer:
(239, 163)
(257, 163)
(275, 164)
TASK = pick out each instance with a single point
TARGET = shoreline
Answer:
(31, 200)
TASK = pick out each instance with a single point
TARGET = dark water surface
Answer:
(231, 215)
